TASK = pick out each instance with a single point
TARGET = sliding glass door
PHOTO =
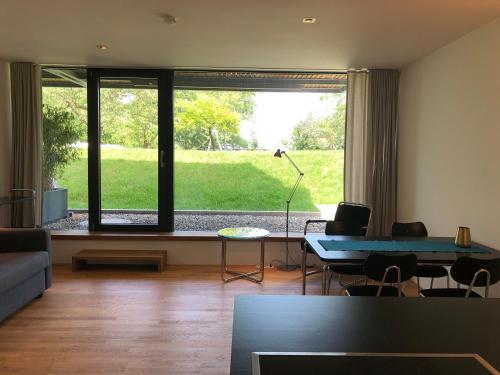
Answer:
(130, 149)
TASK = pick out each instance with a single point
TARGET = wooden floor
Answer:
(115, 321)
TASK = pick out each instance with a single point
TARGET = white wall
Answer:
(184, 252)
(449, 141)
(5, 137)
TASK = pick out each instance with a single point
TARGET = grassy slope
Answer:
(220, 180)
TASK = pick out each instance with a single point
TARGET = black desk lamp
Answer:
(278, 154)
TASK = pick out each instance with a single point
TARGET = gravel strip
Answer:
(197, 222)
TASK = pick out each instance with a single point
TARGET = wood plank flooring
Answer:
(134, 321)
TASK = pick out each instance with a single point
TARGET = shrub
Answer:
(60, 132)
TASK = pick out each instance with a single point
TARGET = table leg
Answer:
(304, 268)
(242, 275)
(262, 253)
(223, 260)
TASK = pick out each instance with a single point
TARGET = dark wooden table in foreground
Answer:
(363, 324)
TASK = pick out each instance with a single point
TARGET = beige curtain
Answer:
(356, 158)
(26, 171)
(5, 140)
(382, 146)
(371, 145)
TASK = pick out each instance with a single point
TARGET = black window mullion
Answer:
(166, 149)
(93, 149)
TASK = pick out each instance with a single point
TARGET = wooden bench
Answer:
(157, 256)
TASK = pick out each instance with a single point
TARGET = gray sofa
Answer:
(25, 267)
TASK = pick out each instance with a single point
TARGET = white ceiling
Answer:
(236, 33)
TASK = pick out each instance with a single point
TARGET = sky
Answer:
(276, 114)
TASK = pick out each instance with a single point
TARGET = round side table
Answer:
(242, 234)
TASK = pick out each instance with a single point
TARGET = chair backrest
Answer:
(343, 228)
(356, 212)
(416, 229)
(376, 265)
(464, 269)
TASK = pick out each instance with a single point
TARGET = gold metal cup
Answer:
(462, 239)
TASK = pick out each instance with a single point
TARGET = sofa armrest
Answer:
(26, 239)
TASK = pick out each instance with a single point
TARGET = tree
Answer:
(60, 131)
(241, 102)
(196, 123)
(72, 99)
(205, 123)
(306, 135)
(326, 133)
(129, 116)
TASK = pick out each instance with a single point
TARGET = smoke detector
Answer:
(169, 19)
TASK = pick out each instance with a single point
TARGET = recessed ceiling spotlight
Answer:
(102, 47)
(308, 20)
(169, 19)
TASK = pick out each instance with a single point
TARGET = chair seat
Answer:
(447, 292)
(430, 271)
(371, 290)
(347, 269)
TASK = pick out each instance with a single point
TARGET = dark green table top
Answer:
(429, 246)
(353, 256)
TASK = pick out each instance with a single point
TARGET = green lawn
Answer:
(216, 180)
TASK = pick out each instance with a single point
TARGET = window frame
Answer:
(165, 147)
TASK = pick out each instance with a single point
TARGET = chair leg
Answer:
(355, 282)
(329, 282)
(304, 269)
(323, 279)
(418, 284)
(432, 282)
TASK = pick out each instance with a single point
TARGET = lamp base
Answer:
(288, 267)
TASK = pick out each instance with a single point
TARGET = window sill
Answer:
(157, 236)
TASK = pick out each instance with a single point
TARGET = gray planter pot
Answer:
(55, 205)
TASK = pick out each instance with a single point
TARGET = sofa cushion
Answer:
(18, 266)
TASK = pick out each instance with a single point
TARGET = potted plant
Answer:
(60, 132)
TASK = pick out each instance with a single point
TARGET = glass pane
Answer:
(65, 165)
(227, 129)
(129, 150)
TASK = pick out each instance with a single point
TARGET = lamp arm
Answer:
(294, 188)
(291, 161)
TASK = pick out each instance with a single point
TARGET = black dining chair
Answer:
(350, 212)
(385, 269)
(332, 227)
(354, 212)
(471, 272)
(432, 271)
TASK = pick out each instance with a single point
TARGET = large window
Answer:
(227, 126)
